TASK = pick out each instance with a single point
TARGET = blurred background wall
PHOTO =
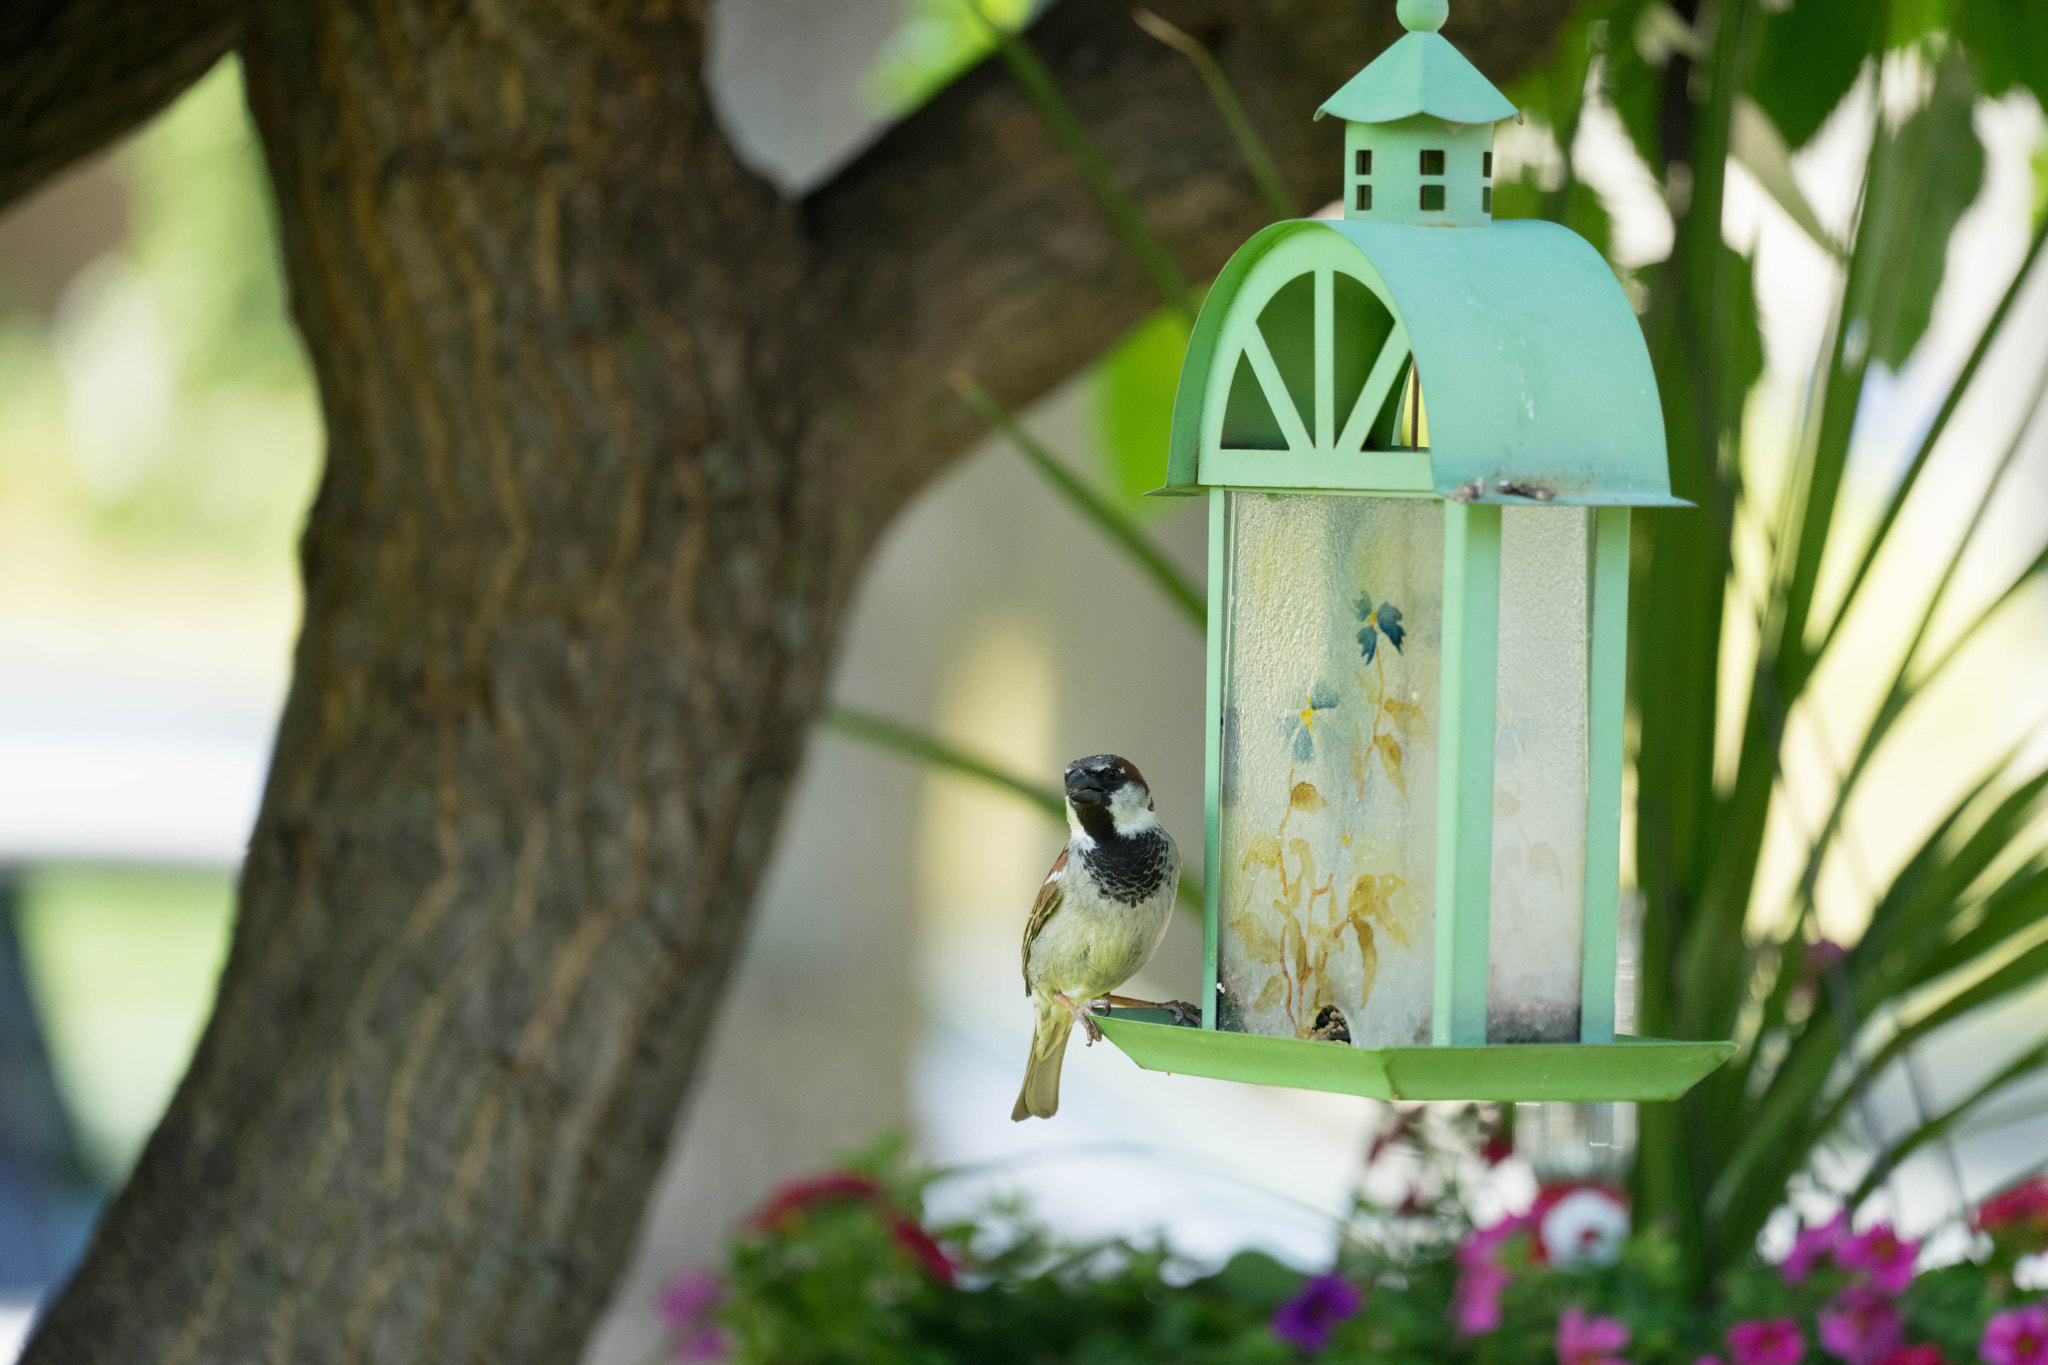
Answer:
(159, 441)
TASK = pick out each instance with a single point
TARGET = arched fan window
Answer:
(1316, 362)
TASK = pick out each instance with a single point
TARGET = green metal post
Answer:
(1212, 747)
(1606, 698)
(1464, 807)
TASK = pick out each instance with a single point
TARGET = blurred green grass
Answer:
(122, 964)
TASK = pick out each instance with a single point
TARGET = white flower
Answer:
(1585, 1227)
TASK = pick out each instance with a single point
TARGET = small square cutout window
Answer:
(1363, 161)
(1364, 200)
(1433, 198)
(1486, 165)
(1486, 199)
(1433, 163)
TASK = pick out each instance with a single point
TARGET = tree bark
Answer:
(611, 427)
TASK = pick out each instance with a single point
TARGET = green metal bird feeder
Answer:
(1420, 433)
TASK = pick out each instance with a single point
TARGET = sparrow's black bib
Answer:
(1128, 869)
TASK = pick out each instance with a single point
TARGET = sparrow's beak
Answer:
(1087, 791)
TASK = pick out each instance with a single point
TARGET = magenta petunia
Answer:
(1475, 1299)
(1308, 1319)
(1810, 1246)
(1860, 1326)
(687, 1298)
(794, 1196)
(687, 1303)
(1767, 1341)
(1885, 1258)
(2016, 1218)
(1585, 1339)
(1915, 1355)
(2018, 1336)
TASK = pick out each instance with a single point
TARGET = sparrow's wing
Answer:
(1041, 910)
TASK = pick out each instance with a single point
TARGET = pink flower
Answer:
(1767, 1341)
(2018, 1215)
(1475, 1301)
(1810, 1245)
(1708, 1360)
(1583, 1340)
(926, 1252)
(1860, 1325)
(1915, 1355)
(1580, 1224)
(794, 1196)
(1882, 1255)
(687, 1305)
(2018, 1336)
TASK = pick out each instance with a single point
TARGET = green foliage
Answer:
(1134, 388)
(934, 43)
(168, 410)
(1923, 175)
(1942, 942)
(1810, 54)
(2008, 40)
(840, 1268)
(1950, 934)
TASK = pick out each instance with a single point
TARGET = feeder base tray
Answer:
(1627, 1069)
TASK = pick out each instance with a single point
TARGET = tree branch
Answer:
(966, 239)
(76, 74)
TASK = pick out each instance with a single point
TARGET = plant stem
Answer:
(1039, 87)
(1123, 532)
(1253, 148)
(929, 749)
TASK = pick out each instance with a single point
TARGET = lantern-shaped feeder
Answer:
(1420, 433)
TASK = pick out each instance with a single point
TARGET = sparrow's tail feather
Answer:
(1040, 1097)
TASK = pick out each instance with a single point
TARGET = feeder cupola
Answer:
(1418, 130)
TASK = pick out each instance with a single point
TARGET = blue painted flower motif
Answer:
(1300, 729)
(1374, 622)
(1308, 1319)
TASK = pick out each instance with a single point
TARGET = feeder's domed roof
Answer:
(1420, 74)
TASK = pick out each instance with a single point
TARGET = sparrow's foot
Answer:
(1183, 1013)
(1084, 1015)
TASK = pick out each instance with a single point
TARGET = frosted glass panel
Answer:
(1539, 797)
(1334, 638)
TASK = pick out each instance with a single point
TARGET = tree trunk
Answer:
(610, 430)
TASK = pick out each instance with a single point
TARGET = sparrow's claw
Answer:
(1185, 1014)
(1083, 1012)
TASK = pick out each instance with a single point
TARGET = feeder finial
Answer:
(1423, 16)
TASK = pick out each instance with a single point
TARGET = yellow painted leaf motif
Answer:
(1390, 755)
(1506, 804)
(1269, 998)
(1371, 902)
(1305, 798)
(1305, 866)
(1291, 937)
(1407, 715)
(1255, 938)
(1358, 752)
(1264, 850)
(1369, 957)
(1543, 858)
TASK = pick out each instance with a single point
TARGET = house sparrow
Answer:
(1098, 918)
